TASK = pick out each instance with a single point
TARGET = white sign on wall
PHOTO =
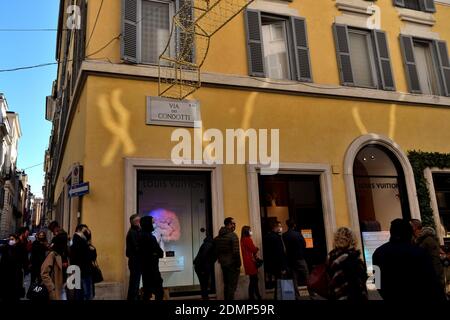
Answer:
(169, 112)
(372, 241)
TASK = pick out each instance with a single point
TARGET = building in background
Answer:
(13, 183)
(353, 86)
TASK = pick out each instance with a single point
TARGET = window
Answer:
(363, 58)
(426, 68)
(146, 28)
(276, 56)
(418, 5)
(441, 182)
(427, 65)
(277, 46)
(155, 29)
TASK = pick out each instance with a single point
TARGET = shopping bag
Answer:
(97, 275)
(285, 289)
(38, 292)
(318, 281)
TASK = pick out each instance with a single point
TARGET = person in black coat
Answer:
(204, 264)
(11, 277)
(81, 256)
(39, 251)
(406, 271)
(275, 258)
(149, 253)
(295, 251)
(132, 254)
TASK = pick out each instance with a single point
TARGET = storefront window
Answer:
(441, 183)
(381, 195)
(180, 204)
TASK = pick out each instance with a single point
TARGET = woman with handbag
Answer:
(54, 268)
(251, 262)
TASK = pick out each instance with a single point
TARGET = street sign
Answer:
(79, 190)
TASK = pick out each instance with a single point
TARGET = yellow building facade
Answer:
(99, 111)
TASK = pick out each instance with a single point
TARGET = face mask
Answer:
(154, 226)
(12, 242)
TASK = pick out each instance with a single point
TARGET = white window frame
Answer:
(288, 36)
(132, 165)
(435, 67)
(428, 173)
(370, 49)
(139, 29)
(322, 170)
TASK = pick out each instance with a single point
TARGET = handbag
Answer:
(285, 289)
(259, 262)
(37, 292)
(97, 275)
(319, 280)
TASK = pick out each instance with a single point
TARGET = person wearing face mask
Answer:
(276, 265)
(149, 253)
(11, 271)
(228, 254)
(249, 256)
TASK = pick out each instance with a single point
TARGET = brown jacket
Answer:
(52, 275)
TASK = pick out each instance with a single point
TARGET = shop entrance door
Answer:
(180, 203)
(298, 197)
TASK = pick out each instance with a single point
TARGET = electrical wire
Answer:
(36, 165)
(56, 63)
(95, 24)
(28, 30)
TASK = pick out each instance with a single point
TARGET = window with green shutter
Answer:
(418, 5)
(277, 46)
(363, 58)
(427, 65)
(146, 27)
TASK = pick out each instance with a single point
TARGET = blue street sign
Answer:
(79, 190)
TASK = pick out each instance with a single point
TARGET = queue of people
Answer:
(47, 262)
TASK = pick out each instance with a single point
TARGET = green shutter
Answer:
(443, 65)
(254, 43)
(384, 60)
(301, 49)
(343, 54)
(399, 3)
(129, 41)
(428, 5)
(409, 61)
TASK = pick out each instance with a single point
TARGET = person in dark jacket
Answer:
(80, 255)
(23, 248)
(406, 271)
(425, 238)
(204, 264)
(149, 253)
(227, 250)
(132, 255)
(347, 272)
(295, 249)
(11, 277)
(39, 251)
(275, 259)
